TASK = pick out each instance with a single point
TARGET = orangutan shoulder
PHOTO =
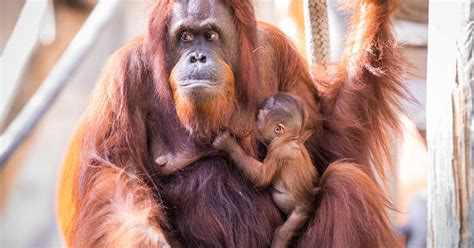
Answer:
(265, 39)
(265, 51)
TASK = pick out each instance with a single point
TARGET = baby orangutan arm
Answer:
(250, 167)
(263, 174)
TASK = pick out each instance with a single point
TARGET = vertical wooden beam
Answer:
(449, 130)
(463, 143)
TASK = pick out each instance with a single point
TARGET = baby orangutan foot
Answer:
(167, 164)
(170, 163)
(162, 160)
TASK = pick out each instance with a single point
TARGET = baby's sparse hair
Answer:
(289, 108)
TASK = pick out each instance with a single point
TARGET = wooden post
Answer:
(450, 129)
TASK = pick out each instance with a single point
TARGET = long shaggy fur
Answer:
(352, 107)
(210, 207)
(360, 102)
(123, 217)
(350, 211)
(361, 94)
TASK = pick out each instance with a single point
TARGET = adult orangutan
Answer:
(202, 67)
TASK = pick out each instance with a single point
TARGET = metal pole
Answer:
(18, 50)
(69, 62)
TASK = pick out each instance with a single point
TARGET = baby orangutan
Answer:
(287, 166)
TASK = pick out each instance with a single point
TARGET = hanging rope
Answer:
(316, 31)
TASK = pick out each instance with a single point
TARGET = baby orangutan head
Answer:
(281, 115)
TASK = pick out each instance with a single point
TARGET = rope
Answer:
(317, 31)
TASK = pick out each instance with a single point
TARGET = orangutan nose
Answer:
(198, 57)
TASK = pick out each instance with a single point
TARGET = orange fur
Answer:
(125, 216)
(292, 162)
(292, 74)
(360, 96)
(360, 102)
(120, 206)
(67, 190)
(352, 109)
(350, 211)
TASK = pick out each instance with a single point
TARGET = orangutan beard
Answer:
(203, 112)
(204, 118)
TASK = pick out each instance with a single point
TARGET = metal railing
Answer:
(19, 48)
(82, 44)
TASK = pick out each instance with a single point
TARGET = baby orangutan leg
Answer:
(286, 232)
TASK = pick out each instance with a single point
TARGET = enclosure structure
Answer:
(450, 119)
(450, 124)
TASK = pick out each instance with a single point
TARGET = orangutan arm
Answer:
(111, 205)
(118, 210)
(361, 97)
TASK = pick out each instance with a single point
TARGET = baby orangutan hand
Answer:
(224, 141)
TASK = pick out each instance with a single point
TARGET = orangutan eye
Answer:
(211, 35)
(187, 36)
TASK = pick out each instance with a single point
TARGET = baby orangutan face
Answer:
(280, 115)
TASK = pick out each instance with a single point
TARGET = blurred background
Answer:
(35, 34)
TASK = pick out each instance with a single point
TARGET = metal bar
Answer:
(69, 62)
(18, 50)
